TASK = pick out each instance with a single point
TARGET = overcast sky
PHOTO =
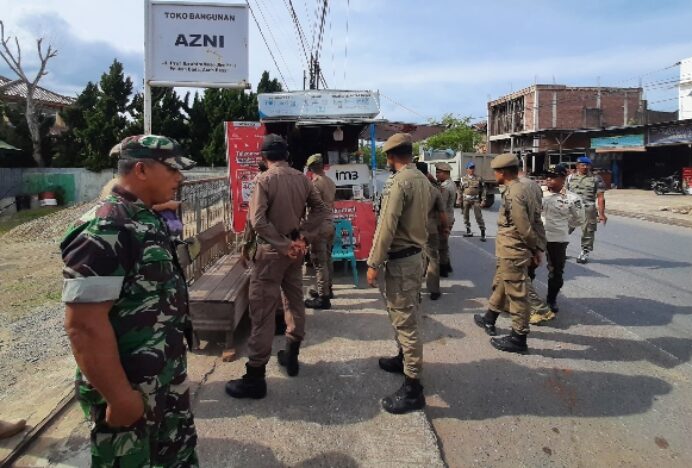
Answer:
(427, 58)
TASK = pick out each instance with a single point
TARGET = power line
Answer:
(283, 80)
(271, 35)
(396, 103)
(348, 13)
(298, 28)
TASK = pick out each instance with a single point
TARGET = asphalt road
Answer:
(606, 384)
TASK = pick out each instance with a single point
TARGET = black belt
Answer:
(407, 252)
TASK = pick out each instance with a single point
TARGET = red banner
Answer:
(243, 143)
(362, 217)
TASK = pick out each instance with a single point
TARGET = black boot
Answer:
(289, 357)
(468, 232)
(251, 385)
(408, 398)
(313, 293)
(487, 321)
(435, 296)
(512, 343)
(482, 235)
(395, 364)
(322, 302)
(444, 270)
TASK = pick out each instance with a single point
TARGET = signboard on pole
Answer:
(319, 104)
(243, 144)
(196, 44)
(349, 174)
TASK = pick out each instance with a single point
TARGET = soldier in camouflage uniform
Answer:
(127, 315)
(591, 189)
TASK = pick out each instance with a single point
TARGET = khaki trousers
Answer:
(272, 275)
(402, 285)
(588, 229)
(432, 263)
(511, 287)
(321, 256)
(467, 206)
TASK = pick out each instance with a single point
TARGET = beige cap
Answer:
(504, 160)
(443, 166)
(396, 140)
(314, 159)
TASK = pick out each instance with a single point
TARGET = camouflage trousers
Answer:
(321, 257)
(432, 263)
(511, 287)
(474, 205)
(164, 437)
(402, 285)
(588, 229)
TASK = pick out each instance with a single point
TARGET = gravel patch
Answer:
(37, 338)
(51, 227)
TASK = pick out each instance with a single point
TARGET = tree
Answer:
(105, 123)
(459, 136)
(14, 61)
(381, 158)
(267, 85)
(69, 149)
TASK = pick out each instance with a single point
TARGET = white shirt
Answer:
(561, 212)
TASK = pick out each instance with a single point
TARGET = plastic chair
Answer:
(343, 250)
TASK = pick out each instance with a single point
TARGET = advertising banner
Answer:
(362, 217)
(349, 174)
(670, 135)
(319, 104)
(618, 143)
(190, 42)
(243, 143)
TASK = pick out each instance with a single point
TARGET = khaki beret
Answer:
(443, 166)
(314, 159)
(396, 140)
(504, 160)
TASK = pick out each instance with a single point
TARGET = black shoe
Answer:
(313, 293)
(288, 358)
(408, 398)
(483, 235)
(318, 303)
(445, 269)
(512, 343)
(486, 323)
(435, 296)
(395, 364)
(251, 385)
(468, 233)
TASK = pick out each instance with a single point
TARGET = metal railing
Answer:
(205, 203)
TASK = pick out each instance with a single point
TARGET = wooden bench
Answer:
(219, 294)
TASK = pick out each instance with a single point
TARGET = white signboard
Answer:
(349, 174)
(196, 44)
(316, 104)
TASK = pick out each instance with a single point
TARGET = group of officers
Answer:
(127, 312)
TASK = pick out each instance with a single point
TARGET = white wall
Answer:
(685, 93)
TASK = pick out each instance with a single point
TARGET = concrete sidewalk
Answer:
(645, 204)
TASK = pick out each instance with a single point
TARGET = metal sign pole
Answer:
(147, 109)
(147, 60)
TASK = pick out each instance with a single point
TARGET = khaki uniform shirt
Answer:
(403, 215)
(535, 215)
(436, 207)
(327, 190)
(277, 206)
(471, 187)
(449, 198)
(586, 186)
(516, 234)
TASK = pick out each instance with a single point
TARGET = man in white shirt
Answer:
(562, 212)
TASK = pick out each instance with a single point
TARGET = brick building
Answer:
(542, 123)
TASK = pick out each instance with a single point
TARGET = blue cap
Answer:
(584, 160)
(470, 164)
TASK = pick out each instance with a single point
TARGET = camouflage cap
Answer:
(396, 140)
(159, 148)
(443, 166)
(314, 159)
(505, 160)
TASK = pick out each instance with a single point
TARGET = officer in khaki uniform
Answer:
(449, 197)
(591, 189)
(437, 223)
(472, 195)
(321, 246)
(399, 239)
(517, 246)
(277, 208)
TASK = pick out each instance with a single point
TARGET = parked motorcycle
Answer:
(670, 184)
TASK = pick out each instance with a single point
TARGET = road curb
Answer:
(652, 218)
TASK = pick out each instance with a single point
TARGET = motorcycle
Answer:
(670, 184)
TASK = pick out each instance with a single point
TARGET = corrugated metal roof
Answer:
(17, 90)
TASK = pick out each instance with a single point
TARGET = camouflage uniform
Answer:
(122, 251)
(588, 187)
